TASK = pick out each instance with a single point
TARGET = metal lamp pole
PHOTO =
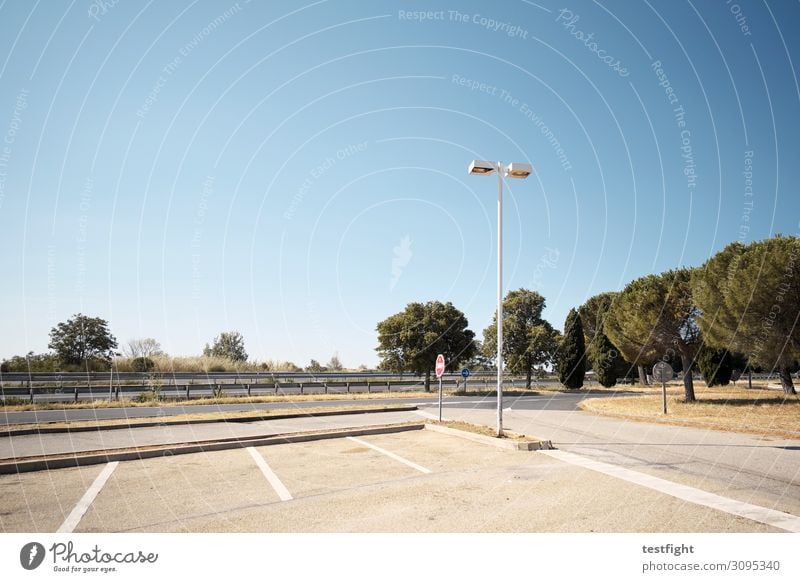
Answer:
(482, 167)
(499, 301)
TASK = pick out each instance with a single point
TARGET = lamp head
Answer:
(482, 167)
(519, 171)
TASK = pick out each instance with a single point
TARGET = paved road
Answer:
(763, 471)
(58, 443)
(419, 481)
(745, 468)
(756, 470)
(165, 411)
(544, 401)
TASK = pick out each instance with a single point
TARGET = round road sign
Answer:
(439, 365)
(465, 372)
(662, 372)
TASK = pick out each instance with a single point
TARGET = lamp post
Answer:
(520, 171)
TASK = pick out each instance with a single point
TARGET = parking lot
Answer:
(414, 481)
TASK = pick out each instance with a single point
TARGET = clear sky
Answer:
(298, 171)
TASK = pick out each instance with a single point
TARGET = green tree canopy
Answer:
(82, 338)
(410, 340)
(601, 353)
(749, 302)
(528, 340)
(607, 361)
(572, 352)
(228, 344)
(716, 365)
(31, 363)
(593, 311)
(654, 318)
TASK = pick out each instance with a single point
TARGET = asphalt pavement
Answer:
(541, 401)
(751, 468)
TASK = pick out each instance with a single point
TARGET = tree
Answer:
(411, 339)
(143, 348)
(606, 360)
(593, 312)
(528, 340)
(601, 353)
(572, 352)
(82, 338)
(655, 318)
(334, 365)
(228, 344)
(749, 301)
(315, 366)
(716, 365)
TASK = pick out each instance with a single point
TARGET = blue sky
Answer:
(298, 171)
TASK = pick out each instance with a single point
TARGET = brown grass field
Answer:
(761, 411)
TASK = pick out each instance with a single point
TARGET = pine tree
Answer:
(606, 360)
(716, 366)
(748, 298)
(572, 354)
(655, 317)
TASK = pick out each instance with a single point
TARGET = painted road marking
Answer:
(279, 487)
(85, 502)
(427, 414)
(778, 519)
(419, 468)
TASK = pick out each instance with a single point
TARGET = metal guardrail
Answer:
(252, 387)
(101, 376)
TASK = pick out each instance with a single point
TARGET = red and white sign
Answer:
(439, 365)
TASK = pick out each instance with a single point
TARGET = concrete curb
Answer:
(495, 442)
(48, 462)
(152, 423)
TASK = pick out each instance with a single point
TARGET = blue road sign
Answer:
(465, 372)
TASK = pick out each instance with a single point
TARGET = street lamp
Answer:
(520, 171)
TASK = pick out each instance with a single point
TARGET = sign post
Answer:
(662, 372)
(465, 375)
(439, 372)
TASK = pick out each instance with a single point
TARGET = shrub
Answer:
(716, 366)
(142, 365)
(31, 362)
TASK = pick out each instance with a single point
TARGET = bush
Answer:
(716, 366)
(142, 365)
(31, 362)
(202, 364)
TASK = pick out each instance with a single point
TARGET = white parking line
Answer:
(779, 519)
(82, 507)
(419, 468)
(426, 414)
(279, 487)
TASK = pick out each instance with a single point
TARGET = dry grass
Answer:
(204, 365)
(758, 411)
(249, 415)
(126, 403)
(478, 429)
